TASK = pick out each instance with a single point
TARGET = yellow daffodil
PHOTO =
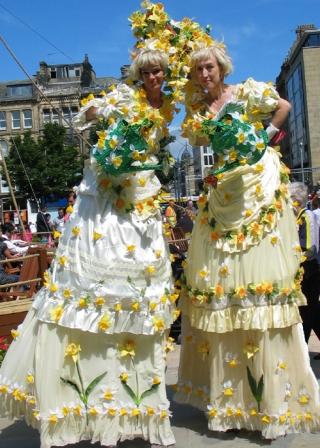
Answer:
(69, 209)
(135, 306)
(30, 378)
(117, 307)
(67, 293)
(62, 260)
(15, 334)
(131, 248)
(83, 302)
(53, 287)
(212, 412)
(150, 411)
(104, 322)
(150, 270)
(127, 349)
(75, 231)
(250, 349)
(100, 301)
(158, 324)
(96, 235)
(73, 351)
(56, 313)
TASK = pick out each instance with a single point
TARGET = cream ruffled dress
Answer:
(88, 362)
(244, 359)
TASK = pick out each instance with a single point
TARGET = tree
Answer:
(52, 167)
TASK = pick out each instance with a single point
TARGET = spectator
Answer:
(58, 222)
(41, 223)
(5, 253)
(69, 208)
(170, 214)
(48, 221)
(15, 246)
(309, 242)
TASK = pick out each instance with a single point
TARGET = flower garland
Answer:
(272, 292)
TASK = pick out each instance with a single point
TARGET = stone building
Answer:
(299, 82)
(23, 107)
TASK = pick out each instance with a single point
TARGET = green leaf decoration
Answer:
(131, 393)
(71, 384)
(93, 384)
(252, 382)
(148, 392)
(260, 389)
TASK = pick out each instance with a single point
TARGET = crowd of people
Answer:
(109, 299)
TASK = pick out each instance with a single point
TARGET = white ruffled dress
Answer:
(109, 294)
(241, 324)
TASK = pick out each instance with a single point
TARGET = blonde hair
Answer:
(144, 58)
(217, 50)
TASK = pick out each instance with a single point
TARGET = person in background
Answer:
(309, 241)
(41, 223)
(15, 246)
(58, 222)
(4, 254)
(170, 214)
(72, 196)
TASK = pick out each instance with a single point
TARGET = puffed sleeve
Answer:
(260, 98)
(116, 103)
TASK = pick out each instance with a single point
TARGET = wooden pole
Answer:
(5, 169)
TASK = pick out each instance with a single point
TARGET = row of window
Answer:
(17, 117)
(52, 116)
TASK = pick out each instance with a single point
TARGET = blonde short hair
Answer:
(217, 50)
(144, 58)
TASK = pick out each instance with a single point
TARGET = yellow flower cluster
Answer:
(154, 30)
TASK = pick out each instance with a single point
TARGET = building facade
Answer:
(56, 99)
(299, 82)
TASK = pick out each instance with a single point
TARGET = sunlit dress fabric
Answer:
(244, 360)
(88, 362)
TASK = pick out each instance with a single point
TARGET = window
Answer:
(207, 156)
(55, 116)
(3, 121)
(27, 118)
(25, 90)
(4, 147)
(15, 116)
(66, 113)
(74, 111)
(46, 116)
(77, 72)
(4, 188)
(53, 73)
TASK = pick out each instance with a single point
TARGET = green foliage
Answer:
(52, 166)
(256, 389)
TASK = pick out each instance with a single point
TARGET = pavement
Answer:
(189, 424)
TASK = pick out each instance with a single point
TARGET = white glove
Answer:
(271, 131)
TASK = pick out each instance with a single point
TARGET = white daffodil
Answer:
(224, 268)
(281, 366)
(232, 359)
(275, 238)
(288, 391)
(228, 389)
(203, 274)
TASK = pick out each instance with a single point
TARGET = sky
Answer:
(258, 33)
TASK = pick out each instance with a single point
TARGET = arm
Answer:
(278, 118)
(91, 113)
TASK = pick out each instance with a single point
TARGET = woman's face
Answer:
(208, 73)
(152, 76)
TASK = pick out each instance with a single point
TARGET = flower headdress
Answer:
(155, 30)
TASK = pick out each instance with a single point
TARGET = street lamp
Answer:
(301, 147)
